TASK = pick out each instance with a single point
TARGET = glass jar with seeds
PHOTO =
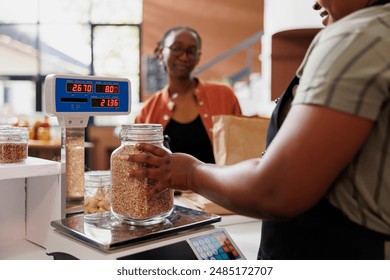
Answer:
(13, 144)
(131, 200)
(96, 195)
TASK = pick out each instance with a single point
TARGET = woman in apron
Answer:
(323, 232)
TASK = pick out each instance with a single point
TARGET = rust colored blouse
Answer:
(212, 100)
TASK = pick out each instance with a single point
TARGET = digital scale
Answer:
(185, 234)
(73, 99)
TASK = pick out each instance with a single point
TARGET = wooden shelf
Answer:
(51, 144)
(48, 144)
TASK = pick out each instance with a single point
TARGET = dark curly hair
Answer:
(161, 43)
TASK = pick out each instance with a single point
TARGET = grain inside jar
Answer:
(131, 199)
(74, 152)
(13, 144)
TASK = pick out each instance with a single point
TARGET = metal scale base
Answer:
(173, 239)
(111, 234)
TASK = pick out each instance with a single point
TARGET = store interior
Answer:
(247, 45)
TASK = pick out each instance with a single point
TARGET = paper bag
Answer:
(196, 201)
(238, 138)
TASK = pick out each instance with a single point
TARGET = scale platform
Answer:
(111, 234)
(187, 234)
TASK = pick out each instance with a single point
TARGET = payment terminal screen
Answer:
(215, 246)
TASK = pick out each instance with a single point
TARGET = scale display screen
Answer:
(78, 87)
(88, 88)
(107, 88)
(87, 95)
(105, 102)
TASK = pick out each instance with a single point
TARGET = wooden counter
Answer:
(46, 149)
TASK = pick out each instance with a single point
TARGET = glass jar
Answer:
(131, 200)
(13, 144)
(96, 195)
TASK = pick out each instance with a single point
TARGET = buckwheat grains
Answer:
(131, 198)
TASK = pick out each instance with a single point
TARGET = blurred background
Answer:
(254, 46)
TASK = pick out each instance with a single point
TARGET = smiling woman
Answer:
(333, 10)
(186, 105)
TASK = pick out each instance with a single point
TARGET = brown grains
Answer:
(13, 144)
(74, 164)
(130, 197)
(13, 152)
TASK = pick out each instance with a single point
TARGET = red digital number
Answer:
(113, 103)
(76, 88)
(110, 89)
(87, 87)
(81, 88)
(108, 102)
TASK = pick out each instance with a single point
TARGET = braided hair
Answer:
(161, 43)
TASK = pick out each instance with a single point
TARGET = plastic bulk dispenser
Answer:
(73, 99)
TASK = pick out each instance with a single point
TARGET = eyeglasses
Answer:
(192, 53)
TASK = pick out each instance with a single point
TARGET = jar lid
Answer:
(98, 178)
(14, 133)
(139, 132)
(5, 126)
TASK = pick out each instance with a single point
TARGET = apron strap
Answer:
(277, 116)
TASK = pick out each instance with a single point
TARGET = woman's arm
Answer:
(312, 147)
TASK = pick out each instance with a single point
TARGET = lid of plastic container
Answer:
(5, 126)
(14, 133)
(97, 178)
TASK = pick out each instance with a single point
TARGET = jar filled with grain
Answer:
(13, 144)
(131, 200)
(96, 195)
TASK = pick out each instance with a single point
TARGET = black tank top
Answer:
(190, 138)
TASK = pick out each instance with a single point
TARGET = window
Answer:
(17, 103)
(83, 37)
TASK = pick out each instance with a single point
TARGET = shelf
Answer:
(51, 144)
(47, 144)
(32, 167)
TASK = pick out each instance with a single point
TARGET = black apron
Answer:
(321, 233)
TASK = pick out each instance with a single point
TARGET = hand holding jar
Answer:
(131, 198)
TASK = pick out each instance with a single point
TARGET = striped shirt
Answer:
(347, 68)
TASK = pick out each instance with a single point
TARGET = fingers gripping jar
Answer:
(131, 200)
